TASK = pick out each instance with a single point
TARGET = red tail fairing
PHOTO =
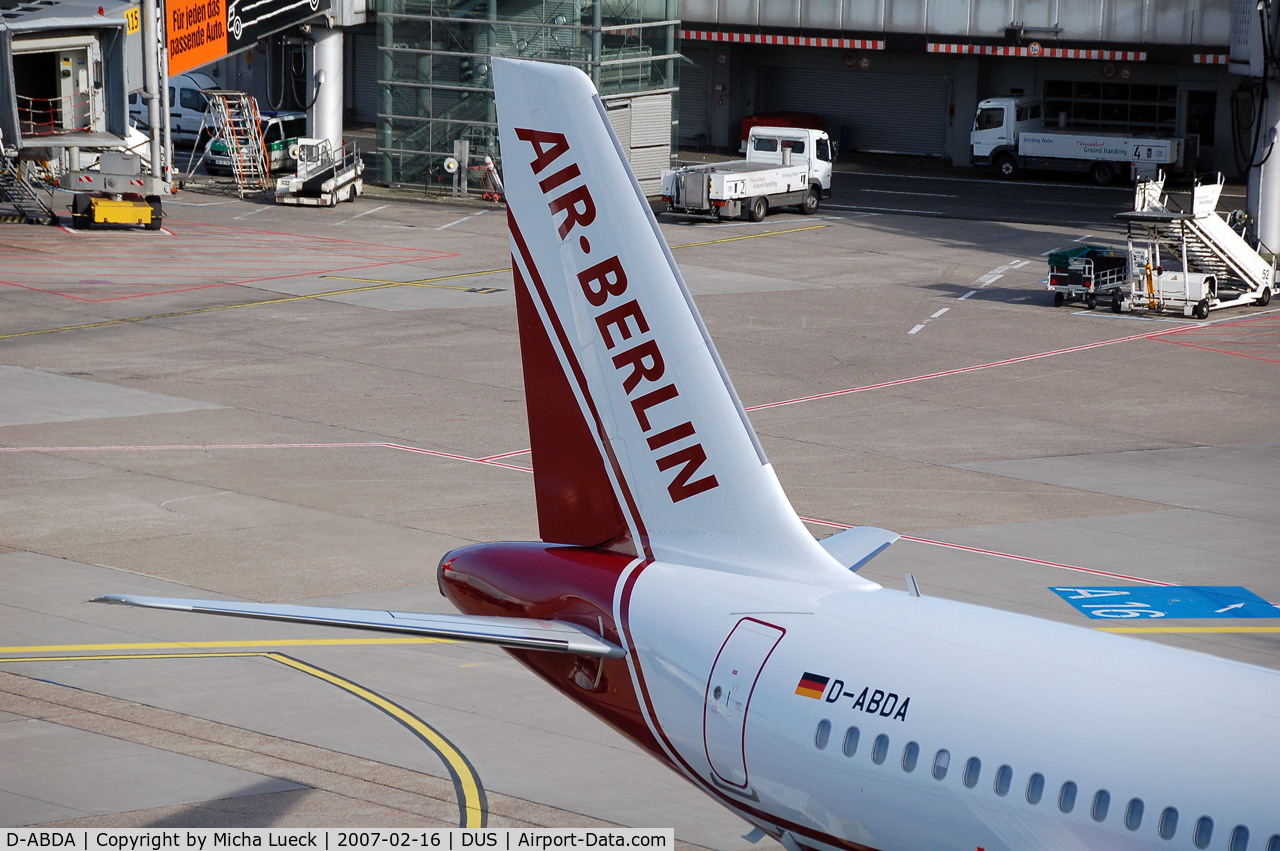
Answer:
(576, 502)
(568, 584)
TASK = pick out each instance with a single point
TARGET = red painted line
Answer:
(450, 456)
(506, 455)
(175, 291)
(1082, 348)
(1220, 351)
(206, 446)
(1059, 565)
(326, 239)
(155, 448)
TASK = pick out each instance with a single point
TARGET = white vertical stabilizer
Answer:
(688, 472)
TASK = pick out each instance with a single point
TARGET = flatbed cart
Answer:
(1086, 273)
(1215, 264)
(324, 177)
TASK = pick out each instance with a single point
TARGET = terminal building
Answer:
(893, 76)
(905, 76)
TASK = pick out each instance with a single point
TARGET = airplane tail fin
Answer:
(639, 439)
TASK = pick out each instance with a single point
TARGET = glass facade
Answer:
(435, 85)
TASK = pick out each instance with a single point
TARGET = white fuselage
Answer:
(1134, 719)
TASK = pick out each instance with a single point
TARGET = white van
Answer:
(186, 105)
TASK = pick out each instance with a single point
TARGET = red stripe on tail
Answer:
(576, 502)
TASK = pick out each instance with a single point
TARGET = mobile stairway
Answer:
(234, 118)
(15, 190)
(1221, 266)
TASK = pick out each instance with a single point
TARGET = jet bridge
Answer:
(1221, 264)
(66, 68)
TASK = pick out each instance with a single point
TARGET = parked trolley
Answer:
(1085, 273)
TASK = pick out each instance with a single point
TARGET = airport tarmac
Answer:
(314, 405)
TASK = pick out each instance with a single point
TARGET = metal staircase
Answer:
(15, 190)
(234, 118)
(1204, 242)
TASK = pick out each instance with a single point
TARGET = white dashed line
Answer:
(252, 212)
(460, 221)
(1083, 238)
(939, 313)
(365, 213)
(1050, 251)
(900, 192)
(966, 295)
(915, 329)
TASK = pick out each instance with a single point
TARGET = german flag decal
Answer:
(812, 685)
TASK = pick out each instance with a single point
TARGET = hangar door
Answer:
(885, 113)
(695, 96)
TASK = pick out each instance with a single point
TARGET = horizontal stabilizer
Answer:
(518, 633)
(855, 547)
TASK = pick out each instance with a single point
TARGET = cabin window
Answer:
(942, 761)
(824, 150)
(1203, 834)
(796, 145)
(1035, 788)
(1273, 844)
(1101, 804)
(823, 735)
(1035, 111)
(910, 756)
(1239, 839)
(1004, 779)
(1133, 814)
(850, 746)
(1067, 797)
(880, 749)
(972, 769)
(989, 118)
(1022, 113)
(765, 144)
(1169, 823)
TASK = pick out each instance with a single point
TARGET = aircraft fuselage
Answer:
(752, 689)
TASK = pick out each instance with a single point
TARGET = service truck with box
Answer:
(1010, 134)
(785, 167)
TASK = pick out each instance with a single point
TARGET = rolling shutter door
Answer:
(643, 127)
(366, 79)
(885, 113)
(695, 96)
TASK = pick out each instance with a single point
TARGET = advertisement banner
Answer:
(201, 31)
(196, 33)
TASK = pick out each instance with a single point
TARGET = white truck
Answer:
(785, 166)
(1010, 134)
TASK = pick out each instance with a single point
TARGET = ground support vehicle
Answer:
(1087, 273)
(324, 176)
(1010, 134)
(117, 192)
(785, 166)
(1221, 265)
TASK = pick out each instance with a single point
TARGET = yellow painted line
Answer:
(383, 285)
(181, 645)
(4, 659)
(374, 285)
(472, 803)
(749, 236)
(428, 282)
(1190, 629)
(471, 798)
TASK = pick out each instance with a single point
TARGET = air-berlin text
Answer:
(623, 328)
